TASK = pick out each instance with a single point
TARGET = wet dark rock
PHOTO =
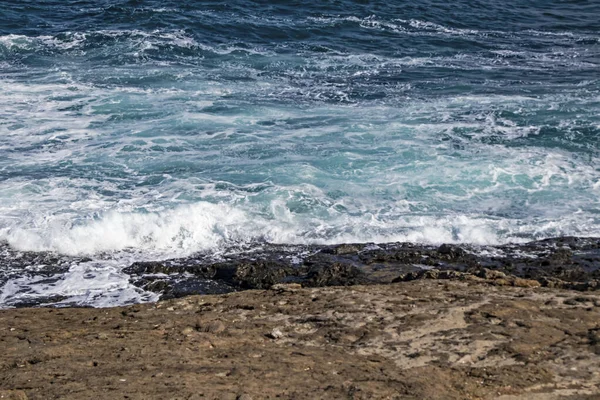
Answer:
(561, 255)
(193, 285)
(261, 274)
(158, 286)
(150, 267)
(153, 267)
(336, 274)
(430, 274)
(451, 251)
(344, 249)
(224, 271)
(566, 263)
(26, 303)
(19, 264)
(490, 274)
(570, 263)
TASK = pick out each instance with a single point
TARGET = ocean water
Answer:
(136, 130)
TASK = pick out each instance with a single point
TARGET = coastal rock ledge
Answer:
(563, 262)
(414, 339)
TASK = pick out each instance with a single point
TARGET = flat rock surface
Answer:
(423, 339)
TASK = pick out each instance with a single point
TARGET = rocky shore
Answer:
(565, 262)
(356, 321)
(467, 337)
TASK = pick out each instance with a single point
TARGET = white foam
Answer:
(205, 226)
(72, 216)
(99, 284)
(115, 239)
(427, 28)
(184, 230)
(426, 25)
(137, 39)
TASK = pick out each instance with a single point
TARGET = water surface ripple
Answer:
(134, 130)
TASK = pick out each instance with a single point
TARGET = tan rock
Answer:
(13, 395)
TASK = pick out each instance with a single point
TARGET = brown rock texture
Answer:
(422, 339)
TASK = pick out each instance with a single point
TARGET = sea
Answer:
(135, 130)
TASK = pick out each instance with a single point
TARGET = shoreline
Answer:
(427, 338)
(561, 262)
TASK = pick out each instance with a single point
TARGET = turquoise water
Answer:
(135, 130)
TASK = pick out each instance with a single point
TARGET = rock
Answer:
(553, 283)
(449, 274)
(583, 299)
(490, 274)
(186, 286)
(594, 336)
(188, 330)
(411, 276)
(275, 334)
(244, 397)
(561, 255)
(286, 287)
(567, 263)
(261, 274)
(451, 251)
(158, 286)
(147, 267)
(530, 283)
(212, 327)
(431, 274)
(13, 395)
(413, 340)
(497, 278)
(346, 248)
(336, 274)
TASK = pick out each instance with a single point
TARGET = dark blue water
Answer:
(149, 129)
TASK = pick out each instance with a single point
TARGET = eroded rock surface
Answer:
(422, 339)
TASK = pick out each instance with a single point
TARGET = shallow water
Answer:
(137, 130)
